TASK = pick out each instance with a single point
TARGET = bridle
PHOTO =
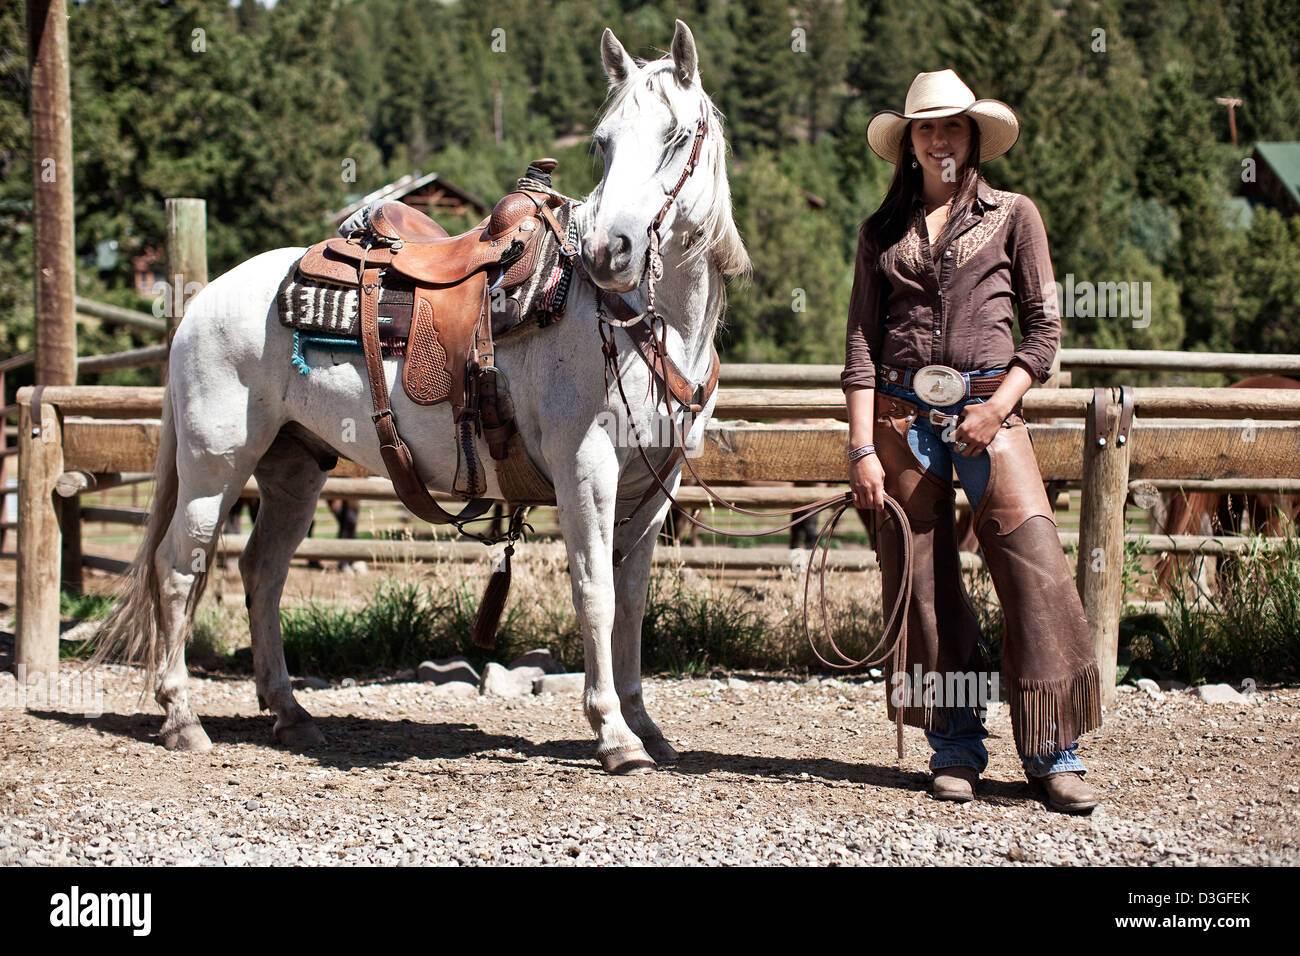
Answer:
(624, 317)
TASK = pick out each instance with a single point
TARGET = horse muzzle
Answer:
(608, 256)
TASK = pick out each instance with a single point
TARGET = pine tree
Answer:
(1270, 92)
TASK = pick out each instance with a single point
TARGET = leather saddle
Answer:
(435, 288)
(449, 328)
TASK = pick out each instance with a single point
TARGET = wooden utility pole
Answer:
(53, 230)
(1231, 103)
(52, 215)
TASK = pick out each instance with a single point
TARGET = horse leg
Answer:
(290, 481)
(181, 564)
(587, 520)
(631, 584)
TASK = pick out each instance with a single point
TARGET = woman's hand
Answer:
(978, 426)
(867, 479)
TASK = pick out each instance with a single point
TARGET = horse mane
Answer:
(720, 238)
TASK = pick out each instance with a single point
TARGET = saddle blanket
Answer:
(323, 309)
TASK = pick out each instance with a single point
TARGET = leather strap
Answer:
(701, 127)
(1100, 403)
(567, 248)
(35, 413)
(397, 456)
(692, 396)
(1125, 413)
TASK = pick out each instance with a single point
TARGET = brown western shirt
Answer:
(911, 308)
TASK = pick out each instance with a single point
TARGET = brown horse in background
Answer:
(1210, 513)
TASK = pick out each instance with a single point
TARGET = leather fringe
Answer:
(488, 618)
(1047, 716)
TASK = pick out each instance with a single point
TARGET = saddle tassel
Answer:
(488, 618)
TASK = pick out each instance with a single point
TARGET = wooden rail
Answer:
(1211, 435)
(770, 375)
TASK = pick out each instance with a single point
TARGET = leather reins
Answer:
(659, 364)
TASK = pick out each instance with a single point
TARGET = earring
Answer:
(914, 164)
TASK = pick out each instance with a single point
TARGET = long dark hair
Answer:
(889, 222)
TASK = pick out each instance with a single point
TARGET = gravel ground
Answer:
(774, 771)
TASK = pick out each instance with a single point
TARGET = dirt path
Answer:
(773, 771)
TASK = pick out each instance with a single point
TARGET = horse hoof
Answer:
(304, 735)
(662, 751)
(191, 738)
(627, 760)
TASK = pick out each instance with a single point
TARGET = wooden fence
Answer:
(92, 437)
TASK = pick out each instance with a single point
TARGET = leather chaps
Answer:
(1049, 673)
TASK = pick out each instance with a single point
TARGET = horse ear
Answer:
(618, 64)
(685, 58)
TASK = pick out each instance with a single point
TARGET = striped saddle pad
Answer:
(333, 311)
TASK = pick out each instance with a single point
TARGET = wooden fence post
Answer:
(187, 257)
(4, 464)
(40, 462)
(1100, 573)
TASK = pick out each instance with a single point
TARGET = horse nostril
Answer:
(620, 251)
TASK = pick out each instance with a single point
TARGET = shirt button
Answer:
(947, 254)
(937, 332)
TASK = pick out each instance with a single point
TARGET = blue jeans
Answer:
(962, 744)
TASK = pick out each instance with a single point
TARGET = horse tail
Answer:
(133, 633)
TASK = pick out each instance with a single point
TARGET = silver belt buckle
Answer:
(939, 384)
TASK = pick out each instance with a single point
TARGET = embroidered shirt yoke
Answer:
(954, 306)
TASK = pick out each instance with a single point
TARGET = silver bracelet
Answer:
(862, 451)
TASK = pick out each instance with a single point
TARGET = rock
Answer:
(539, 657)
(310, 683)
(348, 682)
(560, 684)
(448, 670)
(252, 804)
(455, 689)
(1150, 687)
(80, 633)
(515, 682)
(1219, 694)
(735, 683)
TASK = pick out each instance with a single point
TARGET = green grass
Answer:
(689, 631)
(1248, 626)
(409, 621)
(85, 607)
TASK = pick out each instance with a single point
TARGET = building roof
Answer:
(401, 188)
(1284, 160)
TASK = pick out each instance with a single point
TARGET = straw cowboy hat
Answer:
(939, 94)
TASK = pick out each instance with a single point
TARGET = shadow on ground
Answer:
(374, 743)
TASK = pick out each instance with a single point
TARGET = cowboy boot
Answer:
(1051, 679)
(1065, 792)
(943, 633)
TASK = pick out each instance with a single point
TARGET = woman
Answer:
(933, 382)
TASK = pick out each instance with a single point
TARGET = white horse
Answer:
(236, 407)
